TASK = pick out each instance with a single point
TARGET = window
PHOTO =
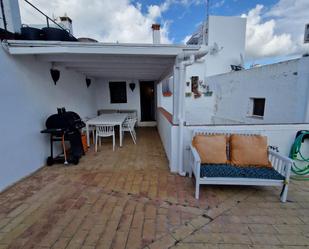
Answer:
(258, 107)
(118, 92)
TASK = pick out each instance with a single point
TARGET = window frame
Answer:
(254, 112)
(115, 98)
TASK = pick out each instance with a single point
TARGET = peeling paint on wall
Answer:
(285, 92)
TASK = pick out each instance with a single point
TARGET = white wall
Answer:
(280, 136)
(103, 97)
(197, 110)
(229, 33)
(163, 101)
(168, 136)
(28, 96)
(284, 85)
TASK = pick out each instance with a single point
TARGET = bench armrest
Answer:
(195, 162)
(281, 163)
(283, 158)
(195, 154)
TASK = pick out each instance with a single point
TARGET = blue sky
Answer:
(184, 19)
(274, 31)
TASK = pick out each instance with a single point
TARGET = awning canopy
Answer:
(105, 60)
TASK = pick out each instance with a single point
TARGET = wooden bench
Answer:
(278, 175)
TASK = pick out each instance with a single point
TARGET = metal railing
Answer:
(48, 19)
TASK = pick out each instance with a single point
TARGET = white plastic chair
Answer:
(104, 131)
(128, 125)
(132, 115)
(91, 129)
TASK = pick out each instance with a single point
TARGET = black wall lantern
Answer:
(88, 82)
(55, 74)
(132, 86)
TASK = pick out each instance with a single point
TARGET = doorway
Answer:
(147, 97)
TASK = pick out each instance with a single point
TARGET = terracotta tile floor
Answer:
(128, 199)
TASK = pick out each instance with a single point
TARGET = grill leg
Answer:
(64, 150)
(51, 146)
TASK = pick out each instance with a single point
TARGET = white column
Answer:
(303, 75)
(12, 16)
(302, 90)
(181, 117)
(175, 94)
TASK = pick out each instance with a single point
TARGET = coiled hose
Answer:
(301, 173)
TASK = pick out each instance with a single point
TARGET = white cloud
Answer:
(104, 20)
(291, 16)
(277, 31)
(164, 6)
(261, 40)
(154, 12)
(186, 39)
(218, 4)
(108, 20)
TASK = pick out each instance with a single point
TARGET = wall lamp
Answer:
(88, 82)
(55, 74)
(132, 86)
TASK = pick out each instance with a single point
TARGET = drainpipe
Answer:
(184, 60)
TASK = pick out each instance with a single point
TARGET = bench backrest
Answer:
(223, 132)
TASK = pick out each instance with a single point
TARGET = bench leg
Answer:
(197, 189)
(284, 193)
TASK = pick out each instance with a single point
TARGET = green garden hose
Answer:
(301, 173)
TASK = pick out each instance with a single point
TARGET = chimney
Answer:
(156, 33)
(10, 16)
(66, 22)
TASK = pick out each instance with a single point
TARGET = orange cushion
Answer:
(211, 148)
(249, 150)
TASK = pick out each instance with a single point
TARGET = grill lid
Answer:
(64, 120)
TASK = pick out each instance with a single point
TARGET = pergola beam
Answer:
(120, 67)
(77, 59)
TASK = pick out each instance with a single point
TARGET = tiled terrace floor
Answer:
(128, 199)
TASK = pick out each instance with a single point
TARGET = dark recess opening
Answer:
(147, 101)
(118, 92)
(258, 107)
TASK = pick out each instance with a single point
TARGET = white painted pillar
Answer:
(181, 118)
(305, 77)
(306, 119)
(175, 93)
(159, 94)
(12, 16)
(302, 90)
(184, 60)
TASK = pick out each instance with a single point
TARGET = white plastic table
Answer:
(108, 119)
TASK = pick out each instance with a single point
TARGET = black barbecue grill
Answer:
(65, 126)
